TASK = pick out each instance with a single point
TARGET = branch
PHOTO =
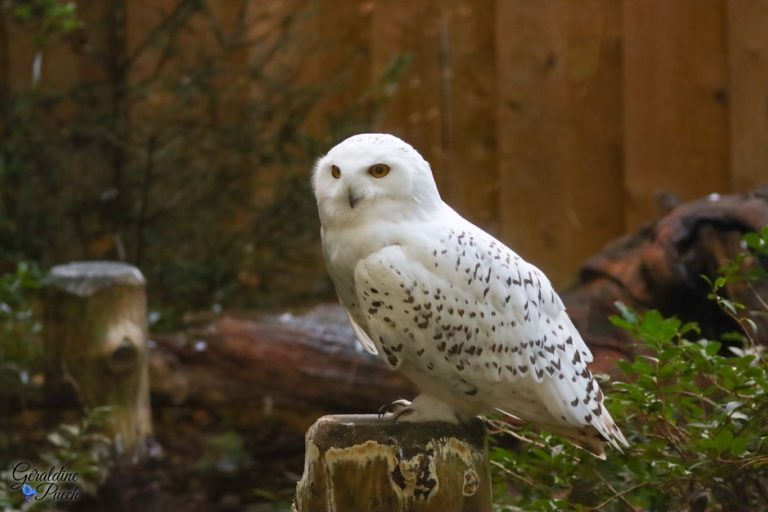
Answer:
(175, 17)
(617, 495)
(511, 473)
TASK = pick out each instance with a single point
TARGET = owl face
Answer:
(372, 175)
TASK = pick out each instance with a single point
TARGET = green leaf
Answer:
(57, 439)
(70, 430)
(723, 440)
(621, 322)
(23, 12)
(739, 446)
(752, 326)
(730, 306)
(626, 312)
(690, 327)
(753, 241)
(712, 348)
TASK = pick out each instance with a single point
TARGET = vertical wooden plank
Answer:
(531, 134)
(412, 30)
(593, 172)
(468, 44)
(445, 103)
(559, 129)
(748, 87)
(337, 45)
(675, 102)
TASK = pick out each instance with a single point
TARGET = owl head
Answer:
(373, 175)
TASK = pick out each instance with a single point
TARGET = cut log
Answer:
(95, 339)
(377, 465)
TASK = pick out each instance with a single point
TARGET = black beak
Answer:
(353, 199)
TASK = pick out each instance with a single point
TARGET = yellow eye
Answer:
(335, 172)
(378, 170)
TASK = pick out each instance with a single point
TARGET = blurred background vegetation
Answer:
(178, 135)
(173, 137)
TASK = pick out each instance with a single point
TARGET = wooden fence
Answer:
(556, 124)
(562, 124)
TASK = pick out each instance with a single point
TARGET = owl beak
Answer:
(352, 198)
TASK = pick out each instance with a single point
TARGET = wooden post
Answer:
(360, 462)
(95, 336)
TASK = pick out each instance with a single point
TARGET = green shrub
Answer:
(80, 448)
(695, 416)
(20, 342)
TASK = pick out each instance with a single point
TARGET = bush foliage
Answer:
(185, 150)
(695, 414)
(20, 342)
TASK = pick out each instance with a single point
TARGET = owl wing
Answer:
(465, 308)
(347, 297)
(362, 336)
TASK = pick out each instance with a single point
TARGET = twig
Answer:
(617, 495)
(700, 397)
(176, 16)
(740, 321)
(757, 296)
(501, 428)
(511, 473)
(754, 461)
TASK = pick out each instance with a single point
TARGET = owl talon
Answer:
(402, 413)
(397, 408)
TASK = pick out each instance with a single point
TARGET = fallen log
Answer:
(661, 267)
(271, 377)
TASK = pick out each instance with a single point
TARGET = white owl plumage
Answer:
(472, 324)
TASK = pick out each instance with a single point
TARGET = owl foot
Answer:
(397, 409)
(423, 408)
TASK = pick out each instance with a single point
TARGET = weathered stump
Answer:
(359, 462)
(95, 338)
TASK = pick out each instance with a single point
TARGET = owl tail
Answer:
(587, 438)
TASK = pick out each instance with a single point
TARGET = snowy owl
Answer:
(472, 324)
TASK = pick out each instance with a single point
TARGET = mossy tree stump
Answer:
(357, 463)
(95, 336)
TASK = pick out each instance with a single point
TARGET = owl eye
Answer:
(378, 170)
(335, 172)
